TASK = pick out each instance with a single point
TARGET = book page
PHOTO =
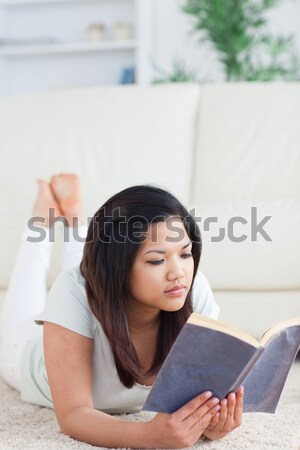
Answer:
(277, 327)
(198, 319)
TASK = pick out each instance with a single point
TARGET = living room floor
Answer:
(25, 426)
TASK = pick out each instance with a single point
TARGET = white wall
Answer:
(173, 37)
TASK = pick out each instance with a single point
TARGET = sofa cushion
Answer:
(113, 137)
(255, 311)
(248, 142)
(246, 260)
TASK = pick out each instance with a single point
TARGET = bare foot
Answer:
(67, 192)
(45, 205)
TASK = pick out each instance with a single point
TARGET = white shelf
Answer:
(55, 43)
(76, 47)
(32, 2)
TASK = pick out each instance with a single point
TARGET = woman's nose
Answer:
(175, 273)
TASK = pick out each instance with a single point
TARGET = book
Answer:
(209, 355)
(127, 75)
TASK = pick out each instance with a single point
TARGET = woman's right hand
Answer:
(183, 427)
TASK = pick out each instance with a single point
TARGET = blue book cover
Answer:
(210, 355)
(128, 75)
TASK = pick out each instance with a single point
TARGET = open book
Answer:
(210, 355)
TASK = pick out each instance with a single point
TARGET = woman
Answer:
(111, 317)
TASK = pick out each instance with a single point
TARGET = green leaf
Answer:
(237, 30)
(179, 74)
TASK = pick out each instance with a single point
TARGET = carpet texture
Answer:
(24, 426)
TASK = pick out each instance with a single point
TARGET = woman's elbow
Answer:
(66, 422)
(73, 423)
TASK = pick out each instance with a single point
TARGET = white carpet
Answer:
(24, 426)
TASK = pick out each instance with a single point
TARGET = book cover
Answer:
(127, 76)
(210, 355)
(265, 381)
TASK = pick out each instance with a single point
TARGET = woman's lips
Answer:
(175, 292)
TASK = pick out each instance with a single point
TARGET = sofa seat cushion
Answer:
(255, 311)
(244, 258)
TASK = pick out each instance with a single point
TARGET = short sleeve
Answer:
(203, 298)
(67, 305)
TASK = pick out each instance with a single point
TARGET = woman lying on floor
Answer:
(111, 317)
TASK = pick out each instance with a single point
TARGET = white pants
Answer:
(26, 295)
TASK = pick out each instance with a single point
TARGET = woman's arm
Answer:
(97, 428)
(69, 362)
(180, 429)
(68, 358)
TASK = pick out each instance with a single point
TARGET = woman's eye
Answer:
(187, 255)
(156, 263)
(160, 261)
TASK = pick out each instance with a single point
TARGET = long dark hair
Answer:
(112, 243)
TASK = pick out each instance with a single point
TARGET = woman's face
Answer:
(162, 272)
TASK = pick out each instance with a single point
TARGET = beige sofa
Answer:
(231, 152)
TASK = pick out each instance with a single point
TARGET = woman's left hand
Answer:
(228, 418)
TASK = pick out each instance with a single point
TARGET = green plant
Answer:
(237, 30)
(179, 74)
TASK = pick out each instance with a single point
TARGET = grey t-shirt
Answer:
(67, 306)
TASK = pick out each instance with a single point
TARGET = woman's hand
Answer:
(229, 417)
(184, 427)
